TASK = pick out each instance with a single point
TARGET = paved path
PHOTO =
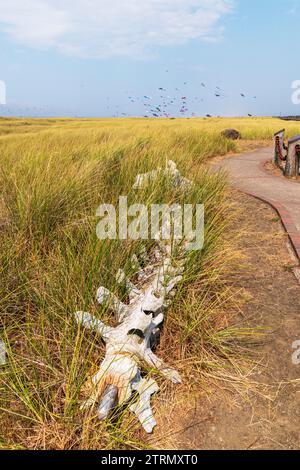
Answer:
(247, 173)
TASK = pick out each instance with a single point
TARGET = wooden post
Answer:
(292, 162)
(278, 147)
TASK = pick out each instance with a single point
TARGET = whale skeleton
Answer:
(130, 344)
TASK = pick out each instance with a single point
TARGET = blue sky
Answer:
(87, 57)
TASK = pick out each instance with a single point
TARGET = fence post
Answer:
(292, 162)
(278, 146)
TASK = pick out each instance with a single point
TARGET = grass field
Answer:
(54, 173)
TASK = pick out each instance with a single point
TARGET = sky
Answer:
(94, 58)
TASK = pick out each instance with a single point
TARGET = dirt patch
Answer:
(249, 145)
(270, 167)
(274, 170)
(260, 408)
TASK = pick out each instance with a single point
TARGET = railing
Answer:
(287, 157)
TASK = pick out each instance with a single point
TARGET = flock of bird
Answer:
(166, 103)
(176, 102)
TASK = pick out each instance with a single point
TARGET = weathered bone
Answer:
(139, 323)
(105, 296)
(108, 401)
(142, 408)
(170, 171)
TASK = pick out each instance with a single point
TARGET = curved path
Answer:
(246, 172)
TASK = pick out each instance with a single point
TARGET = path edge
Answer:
(285, 217)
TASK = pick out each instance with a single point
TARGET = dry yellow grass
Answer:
(53, 174)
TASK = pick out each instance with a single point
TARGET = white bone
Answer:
(170, 171)
(142, 408)
(90, 322)
(105, 296)
(133, 291)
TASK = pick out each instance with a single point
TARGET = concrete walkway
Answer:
(246, 172)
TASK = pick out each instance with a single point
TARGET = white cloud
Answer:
(106, 28)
